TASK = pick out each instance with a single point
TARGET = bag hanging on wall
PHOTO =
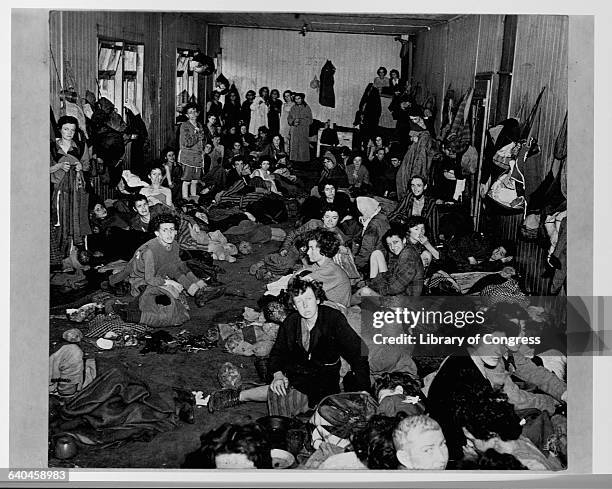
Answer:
(314, 84)
(505, 190)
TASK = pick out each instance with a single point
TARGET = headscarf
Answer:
(368, 207)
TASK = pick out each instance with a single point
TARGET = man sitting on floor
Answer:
(305, 357)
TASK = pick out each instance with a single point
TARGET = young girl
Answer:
(155, 193)
(263, 172)
(191, 155)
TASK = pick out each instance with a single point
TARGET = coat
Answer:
(371, 240)
(327, 97)
(316, 372)
(299, 119)
(417, 161)
(404, 277)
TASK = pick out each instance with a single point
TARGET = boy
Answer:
(420, 444)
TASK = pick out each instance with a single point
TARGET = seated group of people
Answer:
(475, 411)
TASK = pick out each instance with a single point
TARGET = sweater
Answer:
(336, 283)
(153, 263)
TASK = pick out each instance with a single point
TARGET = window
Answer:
(186, 78)
(120, 73)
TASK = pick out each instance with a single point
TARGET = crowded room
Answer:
(307, 241)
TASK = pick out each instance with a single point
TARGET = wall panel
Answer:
(253, 58)
(541, 60)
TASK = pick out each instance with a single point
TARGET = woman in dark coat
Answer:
(299, 119)
(305, 358)
(231, 110)
(275, 107)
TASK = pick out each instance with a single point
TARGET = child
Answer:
(420, 444)
(191, 140)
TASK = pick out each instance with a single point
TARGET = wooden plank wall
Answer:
(253, 58)
(473, 44)
(74, 44)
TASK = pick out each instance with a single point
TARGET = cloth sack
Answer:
(338, 415)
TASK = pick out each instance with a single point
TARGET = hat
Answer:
(367, 206)
(132, 180)
(330, 155)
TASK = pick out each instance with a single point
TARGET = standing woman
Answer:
(245, 109)
(70, 200)
(231, 110)
(284, 125)
(259, 111)
(214, 106)
(275, 108)
(300, 118)
(191, 154)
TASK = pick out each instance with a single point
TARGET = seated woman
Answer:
(358, 176)
(418, 202)
(274, 148)
(323, 246)
(155, 193)
(488, 421)
(283, 262)
(373, 448)
(332, 172)
(286, 182)
(262, 170)
(374, 145)
(375, 225)
(502, 256)
(172, 172)
(247, 140)
(402, 274)
(232, 446)
(262, 140)
(305, 357)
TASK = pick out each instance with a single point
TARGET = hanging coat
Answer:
(417, 161)
(327, 97)
(299, 119)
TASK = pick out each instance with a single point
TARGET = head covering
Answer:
(132, 180)
(329, 154)
(367, 206)
(417, 124)
(300, 94)
(391, 405)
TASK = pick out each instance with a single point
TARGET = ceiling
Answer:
(382, 24)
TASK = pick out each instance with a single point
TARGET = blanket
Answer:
(120, 407)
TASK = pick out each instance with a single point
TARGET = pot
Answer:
(65, 447)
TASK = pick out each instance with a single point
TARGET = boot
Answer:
(204, 295)
(223, 399)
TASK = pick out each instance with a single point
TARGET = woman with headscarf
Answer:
(300, 118)
(375, 225)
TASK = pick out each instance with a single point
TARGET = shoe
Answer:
(223, 399)
(204, 295)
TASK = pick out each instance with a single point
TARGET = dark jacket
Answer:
(316, 372)
(371, 240)
(458, 374)
(327, 97)
(337, 175)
